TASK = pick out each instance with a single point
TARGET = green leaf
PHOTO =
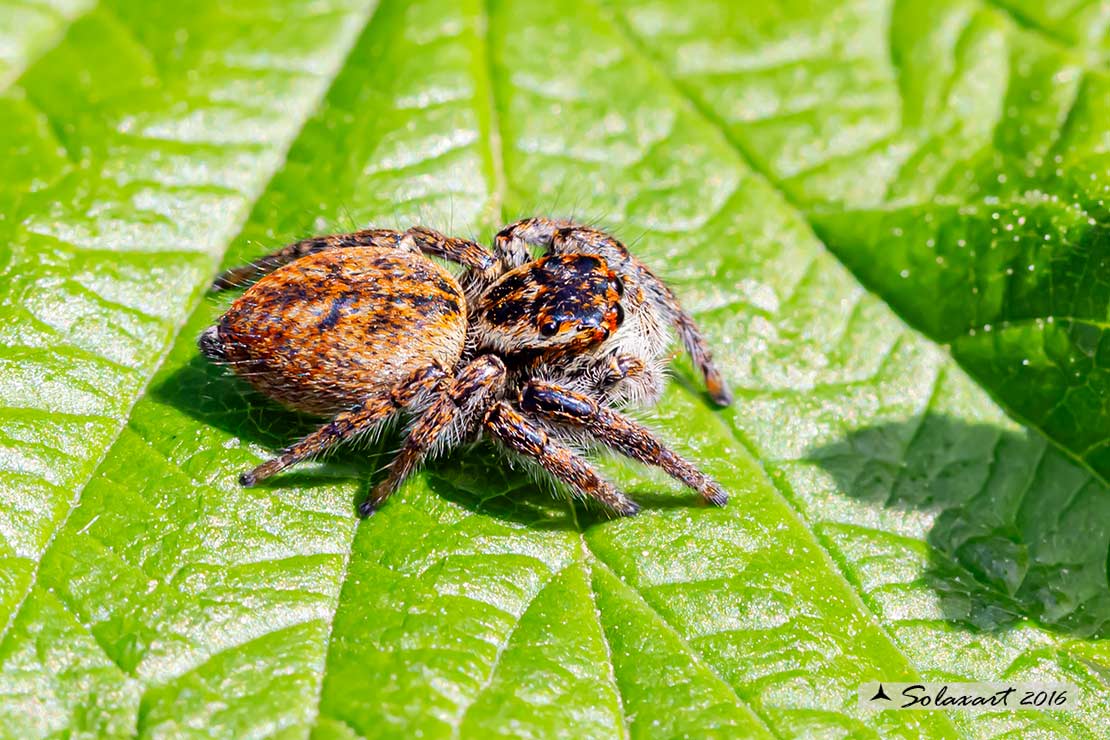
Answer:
(888, 519)
(957, 164)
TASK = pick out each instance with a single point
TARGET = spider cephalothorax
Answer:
(536, 353)
(554, 306)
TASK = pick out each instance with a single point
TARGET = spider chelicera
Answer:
(536, 353)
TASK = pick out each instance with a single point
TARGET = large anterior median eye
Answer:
(549, 328)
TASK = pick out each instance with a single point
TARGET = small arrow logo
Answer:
(880, 694)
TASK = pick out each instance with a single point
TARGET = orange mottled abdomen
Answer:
(332, 329)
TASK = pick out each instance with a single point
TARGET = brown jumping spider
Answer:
(536, 353)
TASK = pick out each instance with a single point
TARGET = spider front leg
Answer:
(455, 409)
(522, 436)
(694, 342)
(347, 425)
(418, 238)
(512, 242)
(617, 431)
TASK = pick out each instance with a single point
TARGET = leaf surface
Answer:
(953, 155)
(888, 519)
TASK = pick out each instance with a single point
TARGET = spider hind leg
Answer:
(418, 238)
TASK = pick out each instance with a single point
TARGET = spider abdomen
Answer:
(335, 328)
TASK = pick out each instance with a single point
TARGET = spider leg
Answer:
(522, 436)
(236, 277)
(453, 411)
(626, 378)
(426, 240)
(694, 342)
(461, 251)
(346, 425)
(618, 432)
(512, 242)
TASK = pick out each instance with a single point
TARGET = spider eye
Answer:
(619, 312)
(549, 329)
(618, 285)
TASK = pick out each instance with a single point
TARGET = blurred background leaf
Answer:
(889, 216)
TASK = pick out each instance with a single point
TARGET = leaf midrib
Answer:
(611, 673)
(495, 144)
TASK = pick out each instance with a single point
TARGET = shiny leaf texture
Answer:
(888, 217)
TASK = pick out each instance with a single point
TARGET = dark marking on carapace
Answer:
(574, 292)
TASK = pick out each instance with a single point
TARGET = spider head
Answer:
(554, 305)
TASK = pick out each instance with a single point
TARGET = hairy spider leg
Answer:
(417, 238)
(457, 407)
(522, 436)
(348, 424)
(563, 237)
(643, 381)
(694, 342)
(620, 367)
(617, 431)
(512, 242)
(452, 248)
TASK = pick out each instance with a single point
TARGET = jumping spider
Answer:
(536, 353)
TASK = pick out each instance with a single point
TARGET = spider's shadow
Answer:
(1019, 532)
(217, 399)
(214, 397)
